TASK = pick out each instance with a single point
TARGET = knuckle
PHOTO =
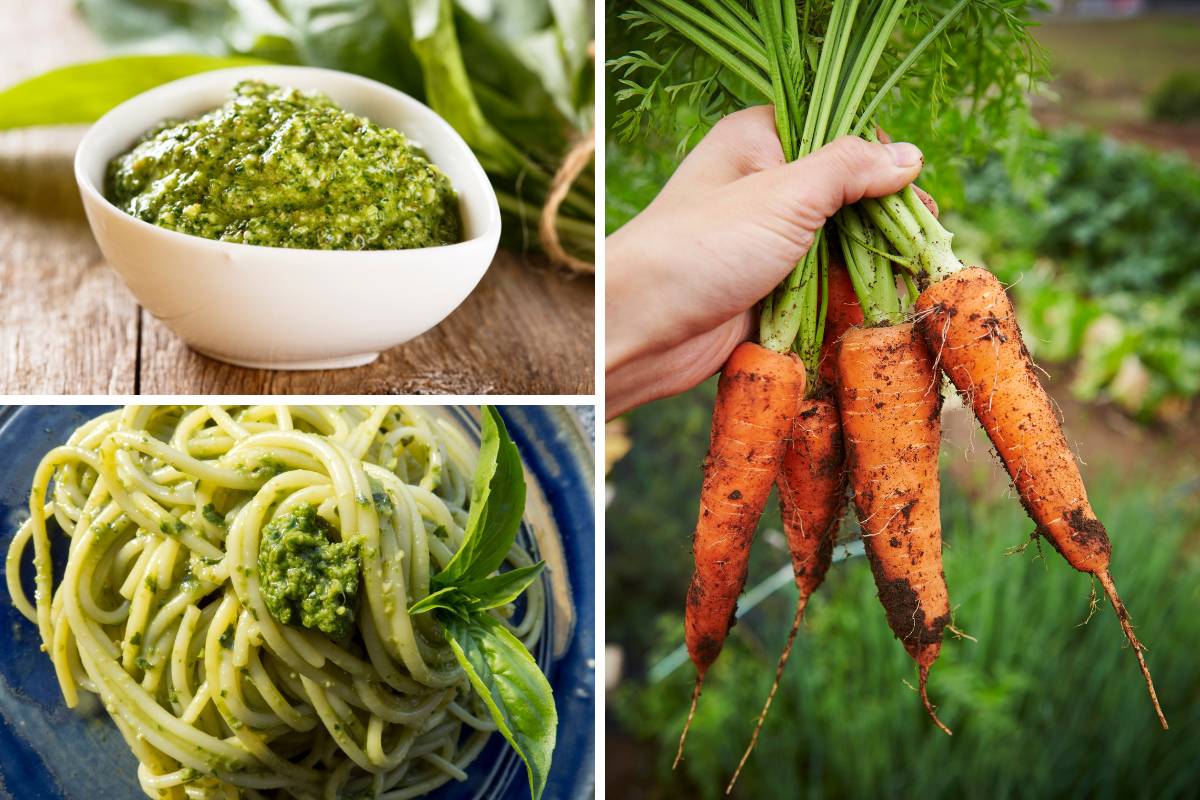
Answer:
(749, 138)
(757, 156)
(853, 153)
(733, 124)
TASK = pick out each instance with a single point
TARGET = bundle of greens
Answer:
(513, 78)
(953, 76)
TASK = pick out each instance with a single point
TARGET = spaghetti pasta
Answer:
(162, 610)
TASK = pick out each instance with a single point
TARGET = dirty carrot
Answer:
(843, 312)
(757, 399)
(969, 324)
(890, 401)
(812, 496)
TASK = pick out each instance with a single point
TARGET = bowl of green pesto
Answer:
(288, 217)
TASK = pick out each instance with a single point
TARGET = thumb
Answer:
(845, 171)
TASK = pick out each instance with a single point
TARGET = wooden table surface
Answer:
(69, 326)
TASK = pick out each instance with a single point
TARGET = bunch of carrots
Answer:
(842, 394)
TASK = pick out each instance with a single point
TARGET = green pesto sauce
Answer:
(284, 168)
(307, 578)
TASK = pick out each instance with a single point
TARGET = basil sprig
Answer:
(500, 668)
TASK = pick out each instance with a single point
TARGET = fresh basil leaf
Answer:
(575, 23)
(448, 89)
(367, 37)
(501, 589)
(512, 96)
(85, 92)
(161, 26)
(497, 504)
(439, 599)
(515, 691)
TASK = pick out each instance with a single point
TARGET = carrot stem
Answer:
(870, 273)
(688, 725)
(1123, 616)
(801, 604)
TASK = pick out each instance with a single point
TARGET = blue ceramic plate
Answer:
(48, 752)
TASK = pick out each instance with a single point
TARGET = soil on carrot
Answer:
(831, 464)
(1088, 531)
(900, 601)
(904, 612)
(707, 648)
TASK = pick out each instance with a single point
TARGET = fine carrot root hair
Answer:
(923, 673)
(890, 403)
(757, 398)
(801, 604)
(812, 496)
(969, 324)
(687, 725)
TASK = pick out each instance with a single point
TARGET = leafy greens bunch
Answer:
(963, 69)
(469, 589)
(514, 78)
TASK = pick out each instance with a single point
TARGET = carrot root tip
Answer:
(688, 725)
(762, 716)
(1123, 617)
(929, 706)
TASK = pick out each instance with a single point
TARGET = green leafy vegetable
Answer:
(447, 599)
(497, 504)
(503, 588)
(447, 87)
(85, 92)
(500, 668)
(512, 686)
(491, 592)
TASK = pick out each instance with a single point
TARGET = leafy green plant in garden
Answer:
(513, 78)
(1177, 99)
(1040, 710)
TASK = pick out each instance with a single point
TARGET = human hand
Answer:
(684, 275)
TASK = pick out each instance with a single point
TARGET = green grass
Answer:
(1041, 706)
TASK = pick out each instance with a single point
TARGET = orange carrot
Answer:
(812, 496)
(890, 402)
(757, 398)
(971, 328)
(812, 490)
(843, 312)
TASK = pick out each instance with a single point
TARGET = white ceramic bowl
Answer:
(277, 307)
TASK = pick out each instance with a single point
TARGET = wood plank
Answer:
(67, 324)
(524, 330)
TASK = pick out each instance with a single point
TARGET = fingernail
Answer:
(905, 154)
